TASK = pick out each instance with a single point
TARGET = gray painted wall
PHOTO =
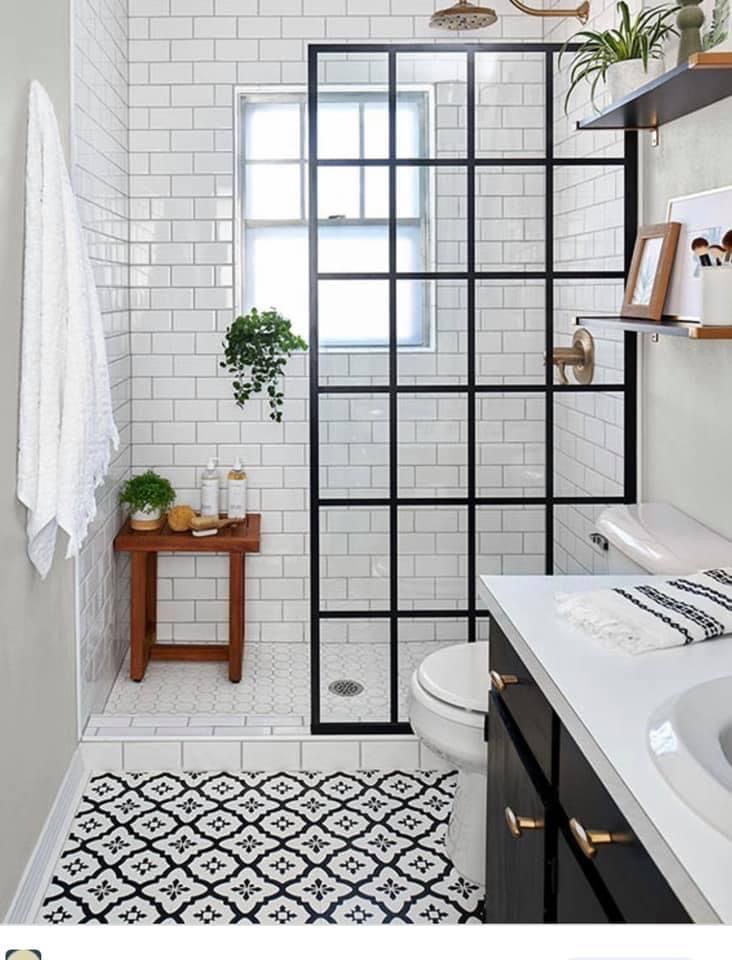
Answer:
(37, 664)
(686, 391)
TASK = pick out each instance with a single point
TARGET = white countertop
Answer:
(605, 699)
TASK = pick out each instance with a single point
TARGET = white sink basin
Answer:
(690, 739)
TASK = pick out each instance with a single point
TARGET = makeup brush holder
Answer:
(716, 296)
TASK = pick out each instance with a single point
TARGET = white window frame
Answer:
(289, 92)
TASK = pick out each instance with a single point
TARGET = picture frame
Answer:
(650, 271)
(709, 215)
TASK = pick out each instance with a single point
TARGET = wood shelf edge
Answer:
(710, 333)
(677, 328)
(706, 60)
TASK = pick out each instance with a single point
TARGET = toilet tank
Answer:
(658, 538)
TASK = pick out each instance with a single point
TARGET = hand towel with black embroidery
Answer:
(654, 616)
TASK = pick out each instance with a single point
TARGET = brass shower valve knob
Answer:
(580, 357)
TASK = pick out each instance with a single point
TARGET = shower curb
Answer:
(268, 753)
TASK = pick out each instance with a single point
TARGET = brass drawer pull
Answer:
(502, 680)
(589, 840)
(517, 825)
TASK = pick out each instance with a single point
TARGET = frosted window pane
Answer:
(354, 311)
(277, 272)
(376, 201)
(410, 258)
(338, 192)
(376, 130)
(272, 131)
(409, 200)
(273, 191)
(408, 192)
(353, 249)
(357, 312)
(350, 311)
(409, 139)
(338, 131)
(410, 311)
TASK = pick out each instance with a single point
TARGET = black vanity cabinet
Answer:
(516, 834)
(558, 848)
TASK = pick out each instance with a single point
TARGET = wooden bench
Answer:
(144, 548)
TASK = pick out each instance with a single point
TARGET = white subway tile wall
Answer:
(186, 56)
(354, 429)
(100, 178)
(588, 232)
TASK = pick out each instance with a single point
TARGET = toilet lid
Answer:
(458, 675)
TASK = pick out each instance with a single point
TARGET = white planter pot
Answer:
(145, 519)
(716, 296)
(627, 76)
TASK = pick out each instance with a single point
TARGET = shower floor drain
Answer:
(346, 688)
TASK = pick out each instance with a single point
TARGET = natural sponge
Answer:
(180, 517)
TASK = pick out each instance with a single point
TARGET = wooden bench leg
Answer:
(151, 604)
(236, 615)
(143, 614)
(138, 615)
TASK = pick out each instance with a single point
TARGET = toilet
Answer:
(660, 539)
(448, 704)
(449, 691)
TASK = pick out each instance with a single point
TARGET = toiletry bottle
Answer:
(210, 490)
(237, 492)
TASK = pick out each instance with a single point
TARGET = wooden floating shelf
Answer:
(672, 328)
(704, 79)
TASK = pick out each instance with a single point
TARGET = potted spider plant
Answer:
(624, 57)
(148, 495)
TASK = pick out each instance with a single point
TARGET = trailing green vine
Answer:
(257, 347)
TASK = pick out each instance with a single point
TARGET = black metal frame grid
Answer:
(549, 162)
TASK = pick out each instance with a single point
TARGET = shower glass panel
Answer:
(452, 245)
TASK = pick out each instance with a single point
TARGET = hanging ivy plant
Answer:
(257, 347)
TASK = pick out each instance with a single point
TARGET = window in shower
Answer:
(353, 212)
(432, 465)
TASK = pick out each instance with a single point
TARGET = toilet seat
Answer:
(448, 704)
(458, 677)
(444, 711)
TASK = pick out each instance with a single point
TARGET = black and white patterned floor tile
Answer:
(266, 848)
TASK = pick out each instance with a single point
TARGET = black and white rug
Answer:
(266, 848)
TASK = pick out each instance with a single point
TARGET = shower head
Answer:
(467, 16)
(463, 16)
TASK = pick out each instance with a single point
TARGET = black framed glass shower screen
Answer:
(476, 404)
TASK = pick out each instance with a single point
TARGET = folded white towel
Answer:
(654, 616)
(66, 426)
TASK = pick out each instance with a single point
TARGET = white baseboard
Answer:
(37, 875)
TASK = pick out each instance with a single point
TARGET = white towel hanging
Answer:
(66, 426)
